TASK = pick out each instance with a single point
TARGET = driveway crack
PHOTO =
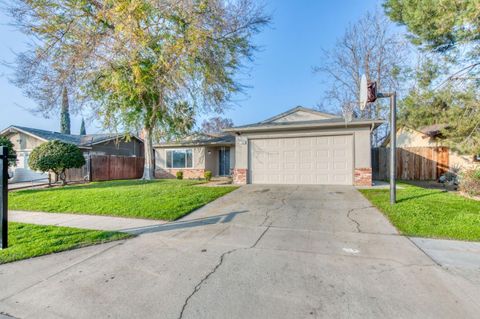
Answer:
(283, 201)
(217, 266)
(199, 285)
(356, 222)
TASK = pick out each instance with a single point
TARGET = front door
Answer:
(224, 164)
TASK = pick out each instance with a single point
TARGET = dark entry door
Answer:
(224, 158)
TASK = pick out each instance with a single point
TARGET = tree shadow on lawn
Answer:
(406, 199)
(184, 224)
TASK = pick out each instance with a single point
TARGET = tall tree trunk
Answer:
(148, 170)
(65, 113)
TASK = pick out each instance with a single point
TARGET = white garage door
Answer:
(302, 160)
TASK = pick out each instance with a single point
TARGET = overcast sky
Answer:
(280, 78)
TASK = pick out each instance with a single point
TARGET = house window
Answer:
(182, 158)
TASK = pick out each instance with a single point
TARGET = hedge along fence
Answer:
(106, 168)
(413, 163)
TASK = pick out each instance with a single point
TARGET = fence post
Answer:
(90, 173)
(4, 196)
(109, 175)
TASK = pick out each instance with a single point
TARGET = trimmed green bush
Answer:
(57, 157)
(207, 175)
(179, 175)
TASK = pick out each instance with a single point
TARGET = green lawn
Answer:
(429, 213)
(160, 199)
(27, 240)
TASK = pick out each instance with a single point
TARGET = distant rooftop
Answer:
(433, 130)
(79, 140)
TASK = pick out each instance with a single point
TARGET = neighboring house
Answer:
(431, 136)
(300, 146)
(25, 139)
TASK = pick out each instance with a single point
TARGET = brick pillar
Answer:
(363, 176)
(240, 176)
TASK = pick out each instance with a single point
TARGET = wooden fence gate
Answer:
(107, 167)
(413, 163)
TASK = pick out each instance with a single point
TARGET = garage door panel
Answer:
(302, 160)
(321, 179)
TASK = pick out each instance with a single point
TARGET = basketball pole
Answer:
(393, 143)
(369, 94)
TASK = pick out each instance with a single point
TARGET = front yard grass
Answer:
(28, 240)
(426, 212)
(159, 199)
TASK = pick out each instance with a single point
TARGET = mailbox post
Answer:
(4, 197)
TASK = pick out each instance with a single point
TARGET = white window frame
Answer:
(179, 150)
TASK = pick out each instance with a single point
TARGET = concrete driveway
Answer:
(259, 252)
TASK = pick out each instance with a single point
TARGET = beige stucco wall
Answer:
(23, 142)
(410, 138)
(232, 158)
(23, 145)
(198, 156)
(462, 161)
(201, 158)
(211, 160)
(361, 137)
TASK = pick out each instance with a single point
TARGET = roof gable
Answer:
(299, 114)
(82, 141)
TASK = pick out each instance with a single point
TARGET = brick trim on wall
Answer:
(363, 176)
(240, 176)
(188, 173)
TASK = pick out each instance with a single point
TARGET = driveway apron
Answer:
(259, 252)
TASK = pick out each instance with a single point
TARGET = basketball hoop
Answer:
(363, 92)
(368, 92)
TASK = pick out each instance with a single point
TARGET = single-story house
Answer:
(431, 136)
(25, 139)
(196, 154)
(300, 146)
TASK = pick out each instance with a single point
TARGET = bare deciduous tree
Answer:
(368, 47)
(215, 124)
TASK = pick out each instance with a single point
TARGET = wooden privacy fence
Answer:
(107, 167)
(413, 163)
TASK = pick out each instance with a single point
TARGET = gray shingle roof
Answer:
(79, 140)
(201, 139)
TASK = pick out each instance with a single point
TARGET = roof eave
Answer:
(13, 127)
(169, 145)
(375, 123)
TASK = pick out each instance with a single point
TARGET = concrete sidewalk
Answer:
(459, 257)
(82, 221)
